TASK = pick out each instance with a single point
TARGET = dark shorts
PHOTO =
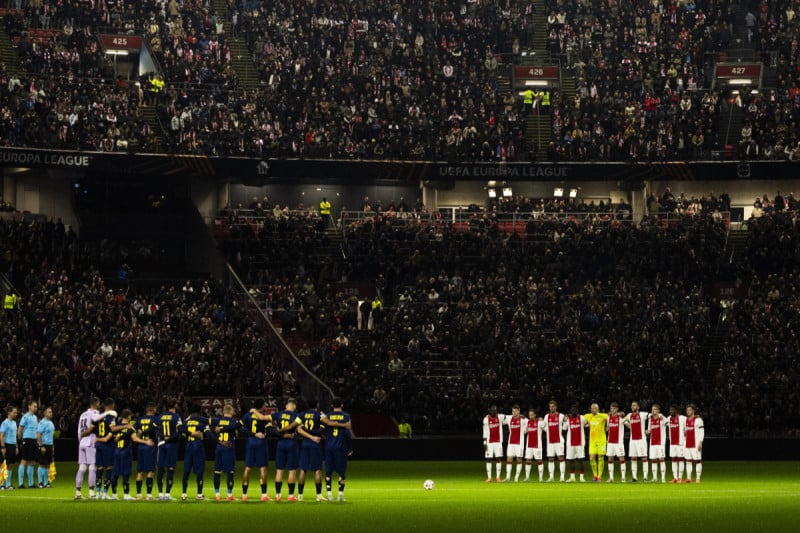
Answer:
(146, 458)
(168, 455)
(46, 455)
(194, 459)
(11, 454)
(256, 453)
(335, 461)
(224, 459)
(29, 451)
(310, 456)
(104, 455)
(123, 462)
(286, 455)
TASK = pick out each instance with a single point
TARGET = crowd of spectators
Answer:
(77, 332)
(412, 80)
(574, 308)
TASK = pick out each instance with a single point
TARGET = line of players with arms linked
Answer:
(528, 437)
(106, 449)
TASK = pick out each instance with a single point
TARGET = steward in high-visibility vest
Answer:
(325, 212)
(10, 302)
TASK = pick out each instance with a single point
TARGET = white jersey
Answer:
(87, 419)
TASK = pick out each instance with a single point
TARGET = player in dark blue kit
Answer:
(289, 424)
(168, 434)
(310, 451)
(256, 450)
(124, 437)
(104, 448)
(337, 447)
(145, 428)
(194, 457)
(225, 455)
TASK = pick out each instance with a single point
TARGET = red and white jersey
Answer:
(555, 424)
(533, 429)
(677, 428)
(658, 429)
(492, 429)
(576, 435)
(515, 430)
(615, 429)
(636, 421)
(694, 431)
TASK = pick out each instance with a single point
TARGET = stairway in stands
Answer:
(241, 56)
(729, 130)
(8, 53)
(540, 29)
(150, 115)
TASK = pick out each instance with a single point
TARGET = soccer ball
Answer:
(428, 485)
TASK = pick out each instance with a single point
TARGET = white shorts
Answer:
(637, 448)
(86, 454)
(533, 453)
(676, 451)
(514, 450)
(494, 449)
(656, 451)
(575, 452)
(615, 450)
(555, 450)
(692, 454)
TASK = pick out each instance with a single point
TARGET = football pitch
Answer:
(388, 496)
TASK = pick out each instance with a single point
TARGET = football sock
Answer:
(244, 489)
(170, 479)
(78, 477)
(21, 474)
(688, 470)
(341, 487)
(488, 470)
(278, 487)
(509, 468)
(30, 475)
(499, 468)
(291, 488)
(114, 480)
(551, 468)
(541, 469)
(126, 484)
(184, 481)
(200, 485)
(300, 488)
(634, 468)
(328, 484)
(318, 486)
(674, 469)
(519, 471)
(263, 488)
(149, 485)
(623, 469)
(231, 482)
(601, 465)
(698, 468)
(611, 470)
(92, 478)
(593, 464)
(681, 468)
(663, 470)
(646, 468)
(217, 480)
(139, 486)
(160, 480)
(562, 466)
(527, 470)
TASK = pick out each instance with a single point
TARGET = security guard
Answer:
(10, 302)
(527, 99)
(545, 102)
(325, 212)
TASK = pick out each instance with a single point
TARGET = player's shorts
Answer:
(637, 448)
(310, 456)
(11, 454)
(146, 458)
(194, 458)
(123, 462)
(167, 455)
(692, 454)
(335, 461)
(494, 450)
(676, 451)
(615, 450)
(29, 450)
(256, 453)
(287, 455)
(597, 448)
(533, 453)
(86, 454)
(514, 450)
(46, 455)
(555, 450)
(575, 452)
(104, 455)
(224, 458)
(656, 451)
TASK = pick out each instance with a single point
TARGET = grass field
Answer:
(388, 496)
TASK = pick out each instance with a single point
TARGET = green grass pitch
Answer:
(388, 496)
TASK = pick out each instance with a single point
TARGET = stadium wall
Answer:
(470, 449)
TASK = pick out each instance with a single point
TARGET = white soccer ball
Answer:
(428, 485)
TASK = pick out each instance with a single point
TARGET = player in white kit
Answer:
(695, 433)
(533, 443)
(615, 447)
(677, 428)
(493, 442)
(637, 444)
(86, 451)
(515, 446)
(657, 431)
(554, 425)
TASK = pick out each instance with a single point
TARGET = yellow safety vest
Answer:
(546, 98)
(10, 301)
(325, 208)
(527, 97)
